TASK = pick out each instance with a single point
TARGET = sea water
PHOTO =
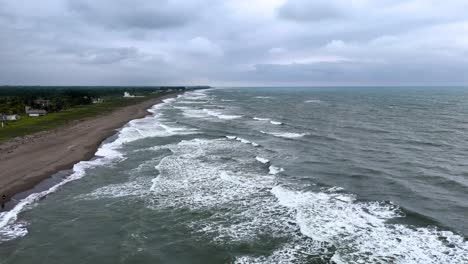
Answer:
(263, 175)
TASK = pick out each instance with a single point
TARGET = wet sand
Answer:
(27, 161)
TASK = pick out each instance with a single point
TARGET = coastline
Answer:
(27, 162)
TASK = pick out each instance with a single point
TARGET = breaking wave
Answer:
(251, 204)
(285, 134)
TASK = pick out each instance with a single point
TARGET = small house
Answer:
(4, 117)
(35, 112)
(97, 100)
(128, 95)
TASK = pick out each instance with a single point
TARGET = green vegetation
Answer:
(29, 125)
(54, 99)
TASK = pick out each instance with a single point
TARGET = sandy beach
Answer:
(27, 161)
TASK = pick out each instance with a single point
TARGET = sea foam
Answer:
(285, 134)
(262, 160)
(331, 226)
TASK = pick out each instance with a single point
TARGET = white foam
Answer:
(261, 119)
(262, 160)
(247, 205)
(182, 107)
(360, 233)
(138, 187)
(231, 178)
(333, 189)
(195, 97)
(245, 141)
(192, 102)
(151, 126)
(273, 170)
(276, 123)
(263, 97)
(285, 134)
(194, 113)
(220, 115)
(313, 101)
(201, 183)
(169, 100)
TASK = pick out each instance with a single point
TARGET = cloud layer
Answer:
(234, 42)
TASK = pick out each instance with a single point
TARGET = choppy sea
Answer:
(263, 175)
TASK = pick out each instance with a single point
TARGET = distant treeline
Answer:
(13, 99)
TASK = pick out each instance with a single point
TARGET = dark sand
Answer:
(27, 161)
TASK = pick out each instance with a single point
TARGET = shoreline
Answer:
(27, 162)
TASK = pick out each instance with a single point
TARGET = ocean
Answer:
(263, 175)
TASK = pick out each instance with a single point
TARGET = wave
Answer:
(325, 225)
(276, 123)
(262, 160)
(208, 113)
(359, 232)
(245, 141)
(186, 101)
(313, 101)
(220, 115)
(285, 134)
(273, 170)
(267, 119)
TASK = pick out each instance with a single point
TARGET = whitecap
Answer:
(285, 134)
(360, 234)
(248, 205)
(221, 115)
(273, 170)
(276, 123)
(262, 160)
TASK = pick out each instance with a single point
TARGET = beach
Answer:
(27, 161)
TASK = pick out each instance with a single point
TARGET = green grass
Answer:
(29, 125)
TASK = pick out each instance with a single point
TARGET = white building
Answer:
(9, 117)
(35, 112)
(128, 95)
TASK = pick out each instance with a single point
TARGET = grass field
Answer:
(29, 125)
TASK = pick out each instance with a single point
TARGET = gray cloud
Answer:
(233, 42)
(132, 14)
(318, 10)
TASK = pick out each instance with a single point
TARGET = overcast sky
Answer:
(234, 42)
